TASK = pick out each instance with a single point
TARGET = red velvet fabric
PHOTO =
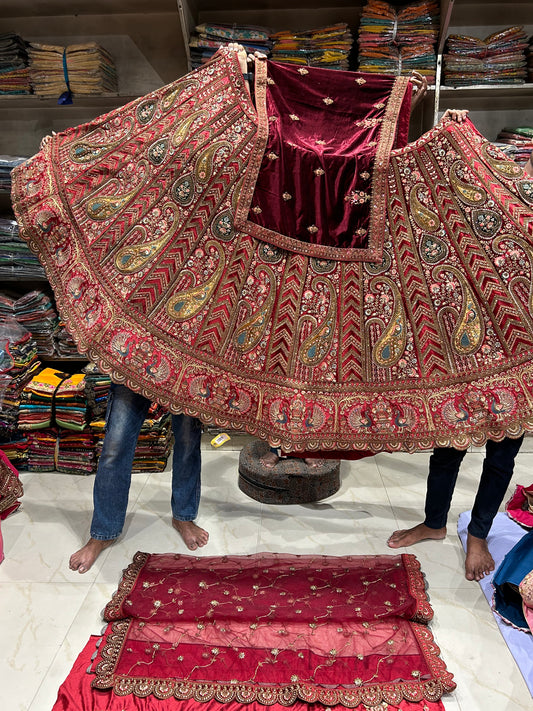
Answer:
(319, 148)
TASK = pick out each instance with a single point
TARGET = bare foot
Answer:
(269, 460)
(479, 561)
(313, 463)
(83, 559)
(409, 536)
(193, 536)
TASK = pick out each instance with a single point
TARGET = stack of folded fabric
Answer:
(14, 70)
(327, 47)
(97, 386)
(500, 58)
(154, 443)
(18, 365)
(42, 447)
(36, 312)
(64, 343)
(79, 69)
(16, 450)
(529, 58)
(516, 142)
(398, 40)
(7, 163)
(16, 258)
(76, 453)
(53, 398)
(207, 38)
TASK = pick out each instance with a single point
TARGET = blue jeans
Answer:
(126, 412)
(498, 467)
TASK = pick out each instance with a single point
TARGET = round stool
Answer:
(290, 481)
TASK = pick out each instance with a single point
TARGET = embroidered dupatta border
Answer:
(286, 695)
(377, 222)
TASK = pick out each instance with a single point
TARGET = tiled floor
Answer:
(48, 612)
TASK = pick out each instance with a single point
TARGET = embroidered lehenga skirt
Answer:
(288, 266)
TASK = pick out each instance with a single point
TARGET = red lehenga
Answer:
(264, 630)
(294, 270)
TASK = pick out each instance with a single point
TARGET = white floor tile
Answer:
(48, 612)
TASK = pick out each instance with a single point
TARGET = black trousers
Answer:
(496, 475)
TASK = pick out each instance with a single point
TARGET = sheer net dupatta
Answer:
(272, 628)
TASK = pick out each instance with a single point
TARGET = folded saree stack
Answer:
(328, 47)
(207, 38)
(18, 364)
(54, 398)
(398, 40)
(79, 69)
(56, 449)
(16, 259)
(500, 58)
(516, 142)
(14, 65)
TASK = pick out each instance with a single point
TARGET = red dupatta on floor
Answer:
(376, 298)
(272, 629)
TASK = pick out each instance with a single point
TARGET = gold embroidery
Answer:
(187, 303)
(287, 196)
(272, 118)
(270, 80)
(257, 210)
(357, 197)
(272, 156)
(303, 71)
(365, 175)
(312, 229)
(319, 171)
(360, 81)
(293, 117)
(320, 143)
(328, 100)
(380, 105)
(369, 122)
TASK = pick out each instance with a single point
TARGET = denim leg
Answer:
(498, 467)
(444, 466)
(126, 412)
(186, 467)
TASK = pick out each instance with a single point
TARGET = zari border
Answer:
(417, 587)
(374, 251)
(390, 693)
(10, 485)
(113, 610)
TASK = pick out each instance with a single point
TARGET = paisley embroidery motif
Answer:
(187, 303)
(183, 190)
(269, 253)
(209, 157)
(132, 258)
(222, 226)
(433, 249)
(379, 268)
(504, 166)
(499, 247)
(145, 111)
(525, 188)
(486, 223)
(318, 344)
(184, 127)
(470, 194)
(468, 333)
(171, 97)
(249, 333)
(425, 218)
(391, 344)
(158, 151)
(106, 206)
(322, 266)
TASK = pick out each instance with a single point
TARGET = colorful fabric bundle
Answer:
(398, 40)
(57, 449)
(328, 47)
(54, 398)
(14, 71)
(208, 38)
(7, 163)
(97, 386)
(18, 364)
(16, 259)
(516, 142)
(498, 59)
(79, 70)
